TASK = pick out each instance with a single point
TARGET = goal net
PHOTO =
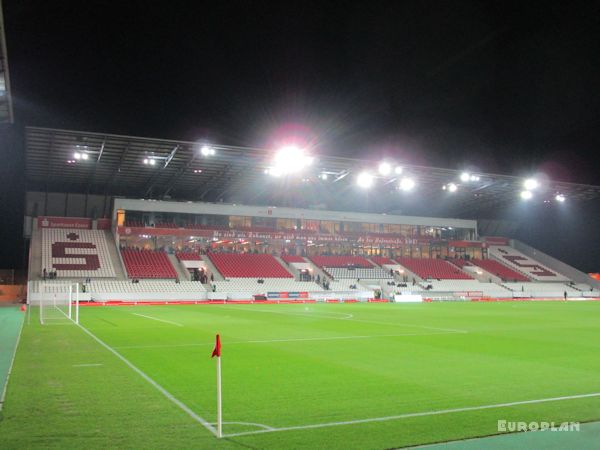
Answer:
(59, 303)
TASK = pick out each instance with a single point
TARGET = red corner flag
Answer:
(217, 350)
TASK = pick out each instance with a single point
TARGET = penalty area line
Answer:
(418, 414)
(157, 319)
(158, 387)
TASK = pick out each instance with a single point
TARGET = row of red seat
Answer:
(248, 265)
(188, 256)
(381, 260)
(500, 270)
(293, 259)
(147, 264)
(433, 268)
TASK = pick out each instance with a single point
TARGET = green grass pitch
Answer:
(302, 376)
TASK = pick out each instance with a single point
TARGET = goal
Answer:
(59, 303)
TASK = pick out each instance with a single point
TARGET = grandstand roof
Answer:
(6, 110)
(115, 166)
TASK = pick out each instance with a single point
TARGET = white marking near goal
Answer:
(158, 387)
(157, 319)
(418, 414)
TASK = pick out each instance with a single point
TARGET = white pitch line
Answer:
(419, 414)
(308, 314)
(12, 361)
(157, 319)
(259, 425)
(267, 341)
(161, 389)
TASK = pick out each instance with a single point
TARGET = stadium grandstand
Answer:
(207, 247)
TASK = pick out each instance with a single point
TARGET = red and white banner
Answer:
(80, 223)
(463, 244)
(496, 240)
(291, 236)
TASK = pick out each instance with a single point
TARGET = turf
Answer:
(297, 365)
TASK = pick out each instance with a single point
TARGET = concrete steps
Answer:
(212, 269)
(182, 273)
(115, 256)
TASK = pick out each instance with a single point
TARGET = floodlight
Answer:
(407, 184)
(465, 176)
(385, 169)
(84, 156)
(364, 180)
(474, 178)
(290, 159)
(206, 150)
(152, 162)
(452, 187)
(560, 198)
(526, 195)
(146, 161)
(77, 155)
(531, 184)
(398, 170)
(324, 176)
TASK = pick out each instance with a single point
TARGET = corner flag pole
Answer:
(217, 352)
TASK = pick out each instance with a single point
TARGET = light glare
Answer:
(407, 184)
(452, 187)
(385, 169)
(531, 184)
(364, 180)
(526, 195)
(289, 160)
(560, 198)
(207, 150)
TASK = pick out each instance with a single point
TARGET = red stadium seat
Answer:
(188, 256)
(381, 260)
(147, 264)
(293, 259)
(499, 269)
(248, 265)
(433, 268)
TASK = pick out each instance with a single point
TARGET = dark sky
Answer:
(507, 87)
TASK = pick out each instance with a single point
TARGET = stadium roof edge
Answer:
(236, 174)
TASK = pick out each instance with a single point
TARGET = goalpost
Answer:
(59, 302)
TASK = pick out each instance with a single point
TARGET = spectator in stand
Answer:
(565, 295)
(44, 273)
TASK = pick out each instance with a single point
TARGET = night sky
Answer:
(498, 86)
